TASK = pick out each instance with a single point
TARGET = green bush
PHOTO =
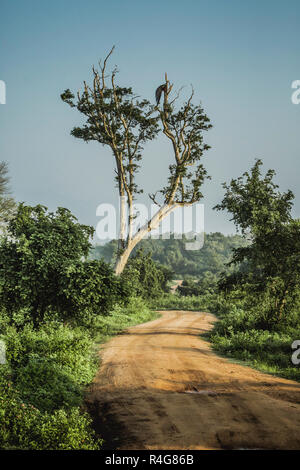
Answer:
(51, 365)
(237, 335)
(209, 302)
(25, 427)
(38, 249)
(91, 288)
(144, 277)
(47, 385)
(42, 274)
(206, 285)
(68, 347)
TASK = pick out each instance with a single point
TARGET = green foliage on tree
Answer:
(90, 288)
(255, 203)
(206, 285)
(145, 277)
(269, 267)
(42, 267)
(212, 258)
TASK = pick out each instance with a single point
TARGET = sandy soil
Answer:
(161, 387)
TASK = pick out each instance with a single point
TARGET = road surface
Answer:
(160, 386)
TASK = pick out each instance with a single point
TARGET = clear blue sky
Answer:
(240, 56)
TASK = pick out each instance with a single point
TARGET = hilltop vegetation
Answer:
(215, 253)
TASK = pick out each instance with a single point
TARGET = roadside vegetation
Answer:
(257, 296)
(266, 280)
(56, 307)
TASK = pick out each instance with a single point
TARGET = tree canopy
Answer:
(269, 267)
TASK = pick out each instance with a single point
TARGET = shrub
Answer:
(206, 285)
(47, 385)
(209, 302)
(90, 288)
(25, 427)
(51, 365)
(67, 346)
(146, 278)
(42, 274)
(238, 335)
(40, 246)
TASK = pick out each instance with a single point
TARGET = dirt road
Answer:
(161, 387)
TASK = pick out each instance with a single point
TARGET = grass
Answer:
(42, 385)
(120, 318)
(266, 351)
(177, 302)
(236, 336)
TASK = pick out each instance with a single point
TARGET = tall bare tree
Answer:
(119, 119)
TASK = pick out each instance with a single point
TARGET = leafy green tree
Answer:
(91, 287)
(255, 203)
(207, 284)
(42, 268)
(115, 117)
(269, 271)
(146, 278)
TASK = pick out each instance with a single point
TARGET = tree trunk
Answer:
(282, 304)
(122, 234)
(152, 224)
(123, 258)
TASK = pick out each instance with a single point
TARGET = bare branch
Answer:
(104, 66)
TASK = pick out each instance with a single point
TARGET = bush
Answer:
(238, 335)
(206, 285)
(146, 278)
(40, 246)
(51, 365)
(209, 302)
(47, 385)
(42, 274)
(67, 346)
(91, 288)
(25, 427)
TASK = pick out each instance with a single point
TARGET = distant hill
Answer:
(216, 252)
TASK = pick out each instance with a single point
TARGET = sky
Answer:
(240, 57)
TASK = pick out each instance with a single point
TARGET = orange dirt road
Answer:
(160, 386)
